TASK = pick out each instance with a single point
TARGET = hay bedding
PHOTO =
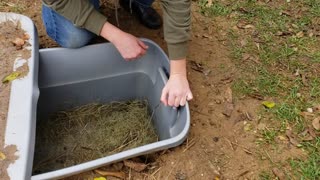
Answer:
(89, 132)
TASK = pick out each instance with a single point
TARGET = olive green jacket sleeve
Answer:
(80, 12)
(176, 20)
(176, 24)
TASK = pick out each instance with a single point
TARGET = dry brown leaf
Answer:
(209, 3)
(300, 34)
(277, 172)
(26, 36)
(2, 156)
(135, 165)
(249, 26)
(120, 175)
(18, 42)
(316, 123)
(292, 138)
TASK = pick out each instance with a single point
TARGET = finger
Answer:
(164, 97)
(171, 99)
(143, 52)
(144, 46)
(189, 96)
(177, 101)
(183, 101)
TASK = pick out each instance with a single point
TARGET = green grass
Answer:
(12, 7)
(269, 135)
(271, 75)
(316, 57)
(265, 176)
(216, 9)
(310, 167)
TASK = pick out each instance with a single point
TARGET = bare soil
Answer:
(222, 140)
(9, 31)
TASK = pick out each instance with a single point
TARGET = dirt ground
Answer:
(222, 139)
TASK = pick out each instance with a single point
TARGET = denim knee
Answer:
(63, 31)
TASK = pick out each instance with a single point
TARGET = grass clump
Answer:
(89, 132)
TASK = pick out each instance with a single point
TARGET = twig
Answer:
(243, 173)
(189, 145)
(269, 156)
(156, 171)
(230, 144)
(244, 148)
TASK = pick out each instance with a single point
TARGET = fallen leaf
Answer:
(135, 165)
(120, 175)
(316, 123)
(99, 178)
(209, 3)
(268, 104)
(285, 13)
(316, 108)
(18, 42)
(277, 172)
(300, 34)
(26, 36)
(280, 33)
(292, 138)
(10, 77)
(306, 114)
(2, 156)
(282, 138)
(295, 26)
(312, 132)
(249, 26)
(247, 127)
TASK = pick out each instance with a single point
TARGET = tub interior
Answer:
(98, 74)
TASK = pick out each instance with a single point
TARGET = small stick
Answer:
(155, 172)
(269, 157)
(189, 145)
(230, 144)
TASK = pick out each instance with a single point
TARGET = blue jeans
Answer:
(65, 33)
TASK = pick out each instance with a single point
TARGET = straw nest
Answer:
(89, 132)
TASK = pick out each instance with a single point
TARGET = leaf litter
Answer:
(90, 132)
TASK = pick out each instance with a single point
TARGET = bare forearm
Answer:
(178, 67)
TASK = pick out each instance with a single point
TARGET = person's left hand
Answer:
(177, 91)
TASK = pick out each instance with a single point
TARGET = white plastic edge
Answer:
(19, 119)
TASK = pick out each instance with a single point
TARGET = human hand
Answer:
(177, 91)
(128, 45)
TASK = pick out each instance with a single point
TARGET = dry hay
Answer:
(89, 132)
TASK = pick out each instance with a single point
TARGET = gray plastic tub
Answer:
(21, 119)
(97, 73)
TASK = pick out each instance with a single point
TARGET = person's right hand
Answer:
(128, 45)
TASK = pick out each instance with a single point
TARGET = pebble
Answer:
(310, 110)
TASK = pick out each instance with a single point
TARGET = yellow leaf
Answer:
(268, 104)
(100, 178)
(11, 77)
(2, 156)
